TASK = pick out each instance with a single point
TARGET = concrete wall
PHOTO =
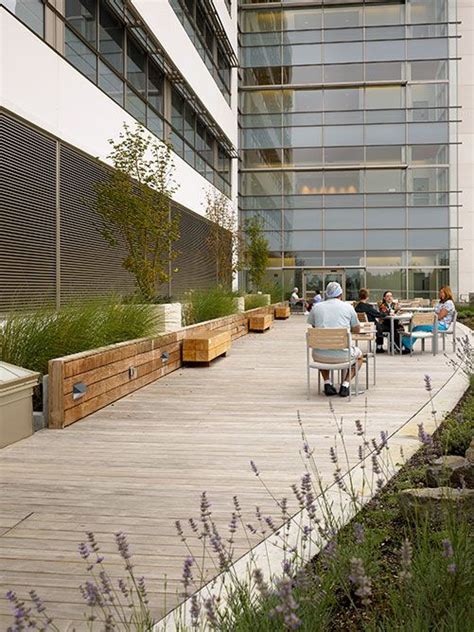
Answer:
(466, 148)
(43, 88)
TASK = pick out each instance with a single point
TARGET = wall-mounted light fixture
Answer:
(165, 356)
(78, 390)
(132, 372)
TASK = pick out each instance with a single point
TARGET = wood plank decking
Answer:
(141, 463)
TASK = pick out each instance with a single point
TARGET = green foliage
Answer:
(458, 429)
(134, 207)
(223, 239)
(31, 340)
(255, 300)
(202, 305)
(256, 252)
(275, 290)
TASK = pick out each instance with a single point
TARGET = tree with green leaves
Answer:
(134, 205)
(223, 239)
(256, 253)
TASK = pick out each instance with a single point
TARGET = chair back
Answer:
(423, 318)
(452, 326)
(362, 317)
(328, 338)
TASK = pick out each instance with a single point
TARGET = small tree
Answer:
(256, 251)
(134, 205)
(223, 240)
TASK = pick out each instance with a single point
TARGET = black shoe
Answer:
(329, 390)
(344, 391)
(406, 351)
(380, 350)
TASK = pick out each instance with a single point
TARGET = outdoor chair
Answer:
(422, 318)
(334, 339)
(362, 317)
(451, 331)
(297, 307)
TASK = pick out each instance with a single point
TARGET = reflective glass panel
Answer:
(81, 15)
(111, 33)
(110, 83)
(80, 55)
(385, 217)
(343, 240)
(385, 239)
(344, 218)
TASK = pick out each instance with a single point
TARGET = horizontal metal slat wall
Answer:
(27, 217)
(196, 267)
(89, 266)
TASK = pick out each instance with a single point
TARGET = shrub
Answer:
(205, 305)
(31, 340)
(458, 429)
(275, 290)
(255, 300)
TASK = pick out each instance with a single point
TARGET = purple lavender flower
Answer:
(211, 613)
(254, 468)
(383, 439)
(260, 583)
(362, 584)
(193, 525)
(238, 509)
(428, 385)
(424, 437)
(270, 522)
(406, 557)
(359, 428)
(195, 612)
(298, 494)
(233, 524)
(359, 533)
(123, 548)
(287, 604)
(448, 553)
(84, 551)
(92, 541)
(333, 455)
(330, 552)
(187, 576)
(375, 465)
(179, 530)
(91, 594)
(142, 589)
(252, 529)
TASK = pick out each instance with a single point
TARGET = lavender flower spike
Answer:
(406, 555)
(361, 582)
(254, 468)
(359, 533)
(428, 385)
(424, 437)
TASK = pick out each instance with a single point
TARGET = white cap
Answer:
(333, 290)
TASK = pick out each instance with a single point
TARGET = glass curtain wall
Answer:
(345, 141)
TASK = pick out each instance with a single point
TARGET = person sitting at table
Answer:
(334, 313)
(318, 298)
(388, 307)
(373, 316)
(444, 311)
(295, 299)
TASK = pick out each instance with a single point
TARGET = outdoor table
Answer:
(417, 309)
(368, 334)
(403, 317)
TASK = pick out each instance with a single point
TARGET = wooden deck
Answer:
(141, 463)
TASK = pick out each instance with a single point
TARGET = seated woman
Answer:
(296, 300)
(444, 310)
(389, 307)
(373, 316)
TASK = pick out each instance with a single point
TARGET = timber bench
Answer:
(206, 345)
(282, 312)
(260, 323)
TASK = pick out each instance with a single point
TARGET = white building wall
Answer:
(44, 89)
(163, 22)
(466, 147)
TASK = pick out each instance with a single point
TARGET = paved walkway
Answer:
(140, 464)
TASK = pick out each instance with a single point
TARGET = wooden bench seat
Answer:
(260, 323)
(205, 346)
(282, 312)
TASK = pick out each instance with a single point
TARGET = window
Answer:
(30, 12)
(111, 34)
(379, 98)
(110, 83)
(80, 56)
(344, 240)
(383, 180)
(385, 240)
(385, 217)
(343, 99)
(136, 64)
(155, 86)
(302, 219)
(82, 16)
(344, 218)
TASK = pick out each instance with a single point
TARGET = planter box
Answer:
(205, 346)
(265, 298)
(261, 322)
(167, 317)
(282, 313)
(16, 403)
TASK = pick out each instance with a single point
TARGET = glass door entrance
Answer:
(315, 281)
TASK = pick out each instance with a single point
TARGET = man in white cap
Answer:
(334, 313)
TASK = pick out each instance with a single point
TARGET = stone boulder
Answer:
(470, 452)
(452, 471)
(437, 503)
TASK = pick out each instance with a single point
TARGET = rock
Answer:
(452, 471)
(437, 503)
(470, 452)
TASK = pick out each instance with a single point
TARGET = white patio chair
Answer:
(451, 331)
(422, 318)
(329, 338)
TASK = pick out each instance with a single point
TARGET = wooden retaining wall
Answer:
(104, 374)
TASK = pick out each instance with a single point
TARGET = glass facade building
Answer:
(348, 142)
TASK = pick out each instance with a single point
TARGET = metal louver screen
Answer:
(89, 267)
(27, 217)
(195, 266)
